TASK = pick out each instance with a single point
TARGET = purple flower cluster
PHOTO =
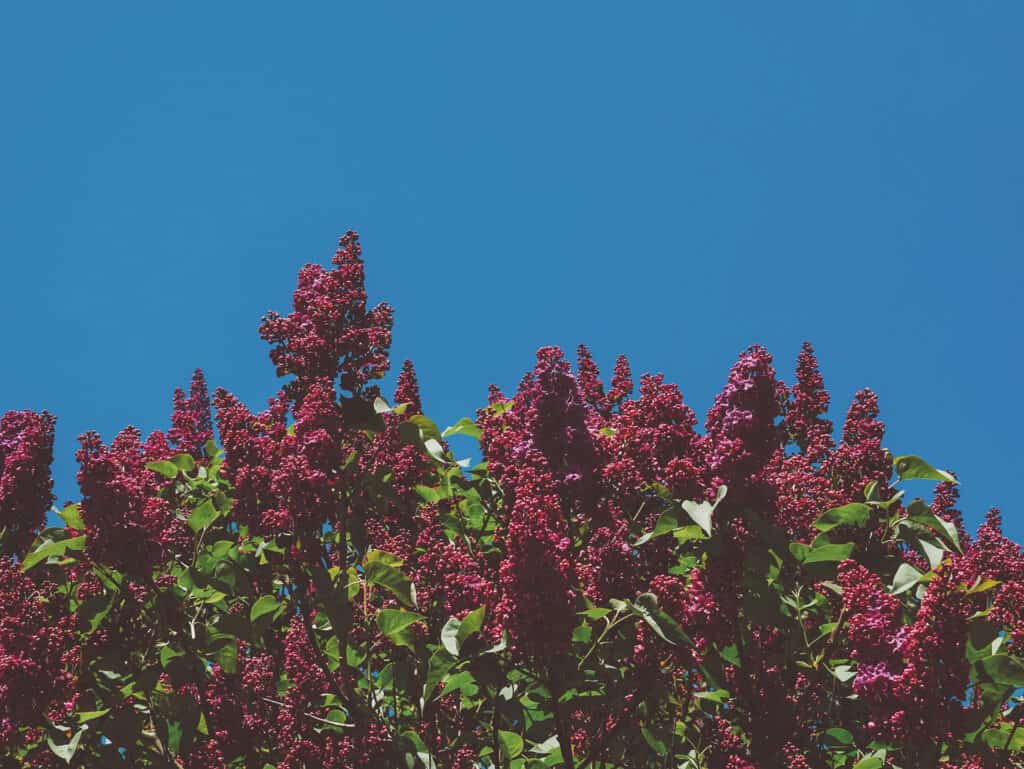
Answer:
(330, 330)
(26, 451)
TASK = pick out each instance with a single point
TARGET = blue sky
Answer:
(665, 180)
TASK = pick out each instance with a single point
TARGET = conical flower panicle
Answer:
(26, 489)
(127, 525)
(536, 576)
(393, 521)
(546, 428)
(251, 451)
(622, 381)
(860, 458)
(542, 453)
(557, 419)
(741, 433)
(407, 389)
(805, 415)
(38, 651)
(191, 424)
(588, 380)
(944, 503)
(654, 441)
(286, 480)
(330, 331)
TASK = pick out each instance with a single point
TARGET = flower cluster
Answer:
(330, 331)
(26, 451)
(191, 426)
(741, 432)
(37, 653)
(805, 420)
(128, 525)
(287, 479)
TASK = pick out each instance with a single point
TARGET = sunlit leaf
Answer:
(906, 577)
(166, 469)
(910, 466)
(395, 623)
(854, 514)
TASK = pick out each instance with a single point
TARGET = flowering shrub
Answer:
(329, 586)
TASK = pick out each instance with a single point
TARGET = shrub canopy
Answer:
(330, 586)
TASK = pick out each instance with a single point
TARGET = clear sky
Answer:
(674, 181)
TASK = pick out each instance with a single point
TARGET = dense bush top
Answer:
(330, 587)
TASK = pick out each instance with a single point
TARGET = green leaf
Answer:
(91, 715)
(826, 553)
(666, 523)
(353, 583)
(395, 623)
(583, 634)
(464, 426)
(500, 646)
(184, 462)
(718, 696)
(700, 512)
(427, 428)
(67, 751)
(166, 469)
(182, 720)
(168, 654)
(471, 624)
(646, 607)
(1006, 737)
(110, 580)
(381, 569)
(550, 745)
(200, 518)
(982, 585)
(655, 744)
(455, 631)
(72, 517)
(839, 736)
(450, 636)
(730, 654)
(670, 630)
(1004, 669)
(440, 665)
(511, 744)
(266, 604)
(854, 514)
(435, 450)
(871, 762)
(910, 466)
(843, 673)
(224, 652)
(919, 512)
(460, 682)
(933, 551)
(428, 494)
(685, 534)
(420, 749)
(52, 549)
(980, 635)
(906, 577)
